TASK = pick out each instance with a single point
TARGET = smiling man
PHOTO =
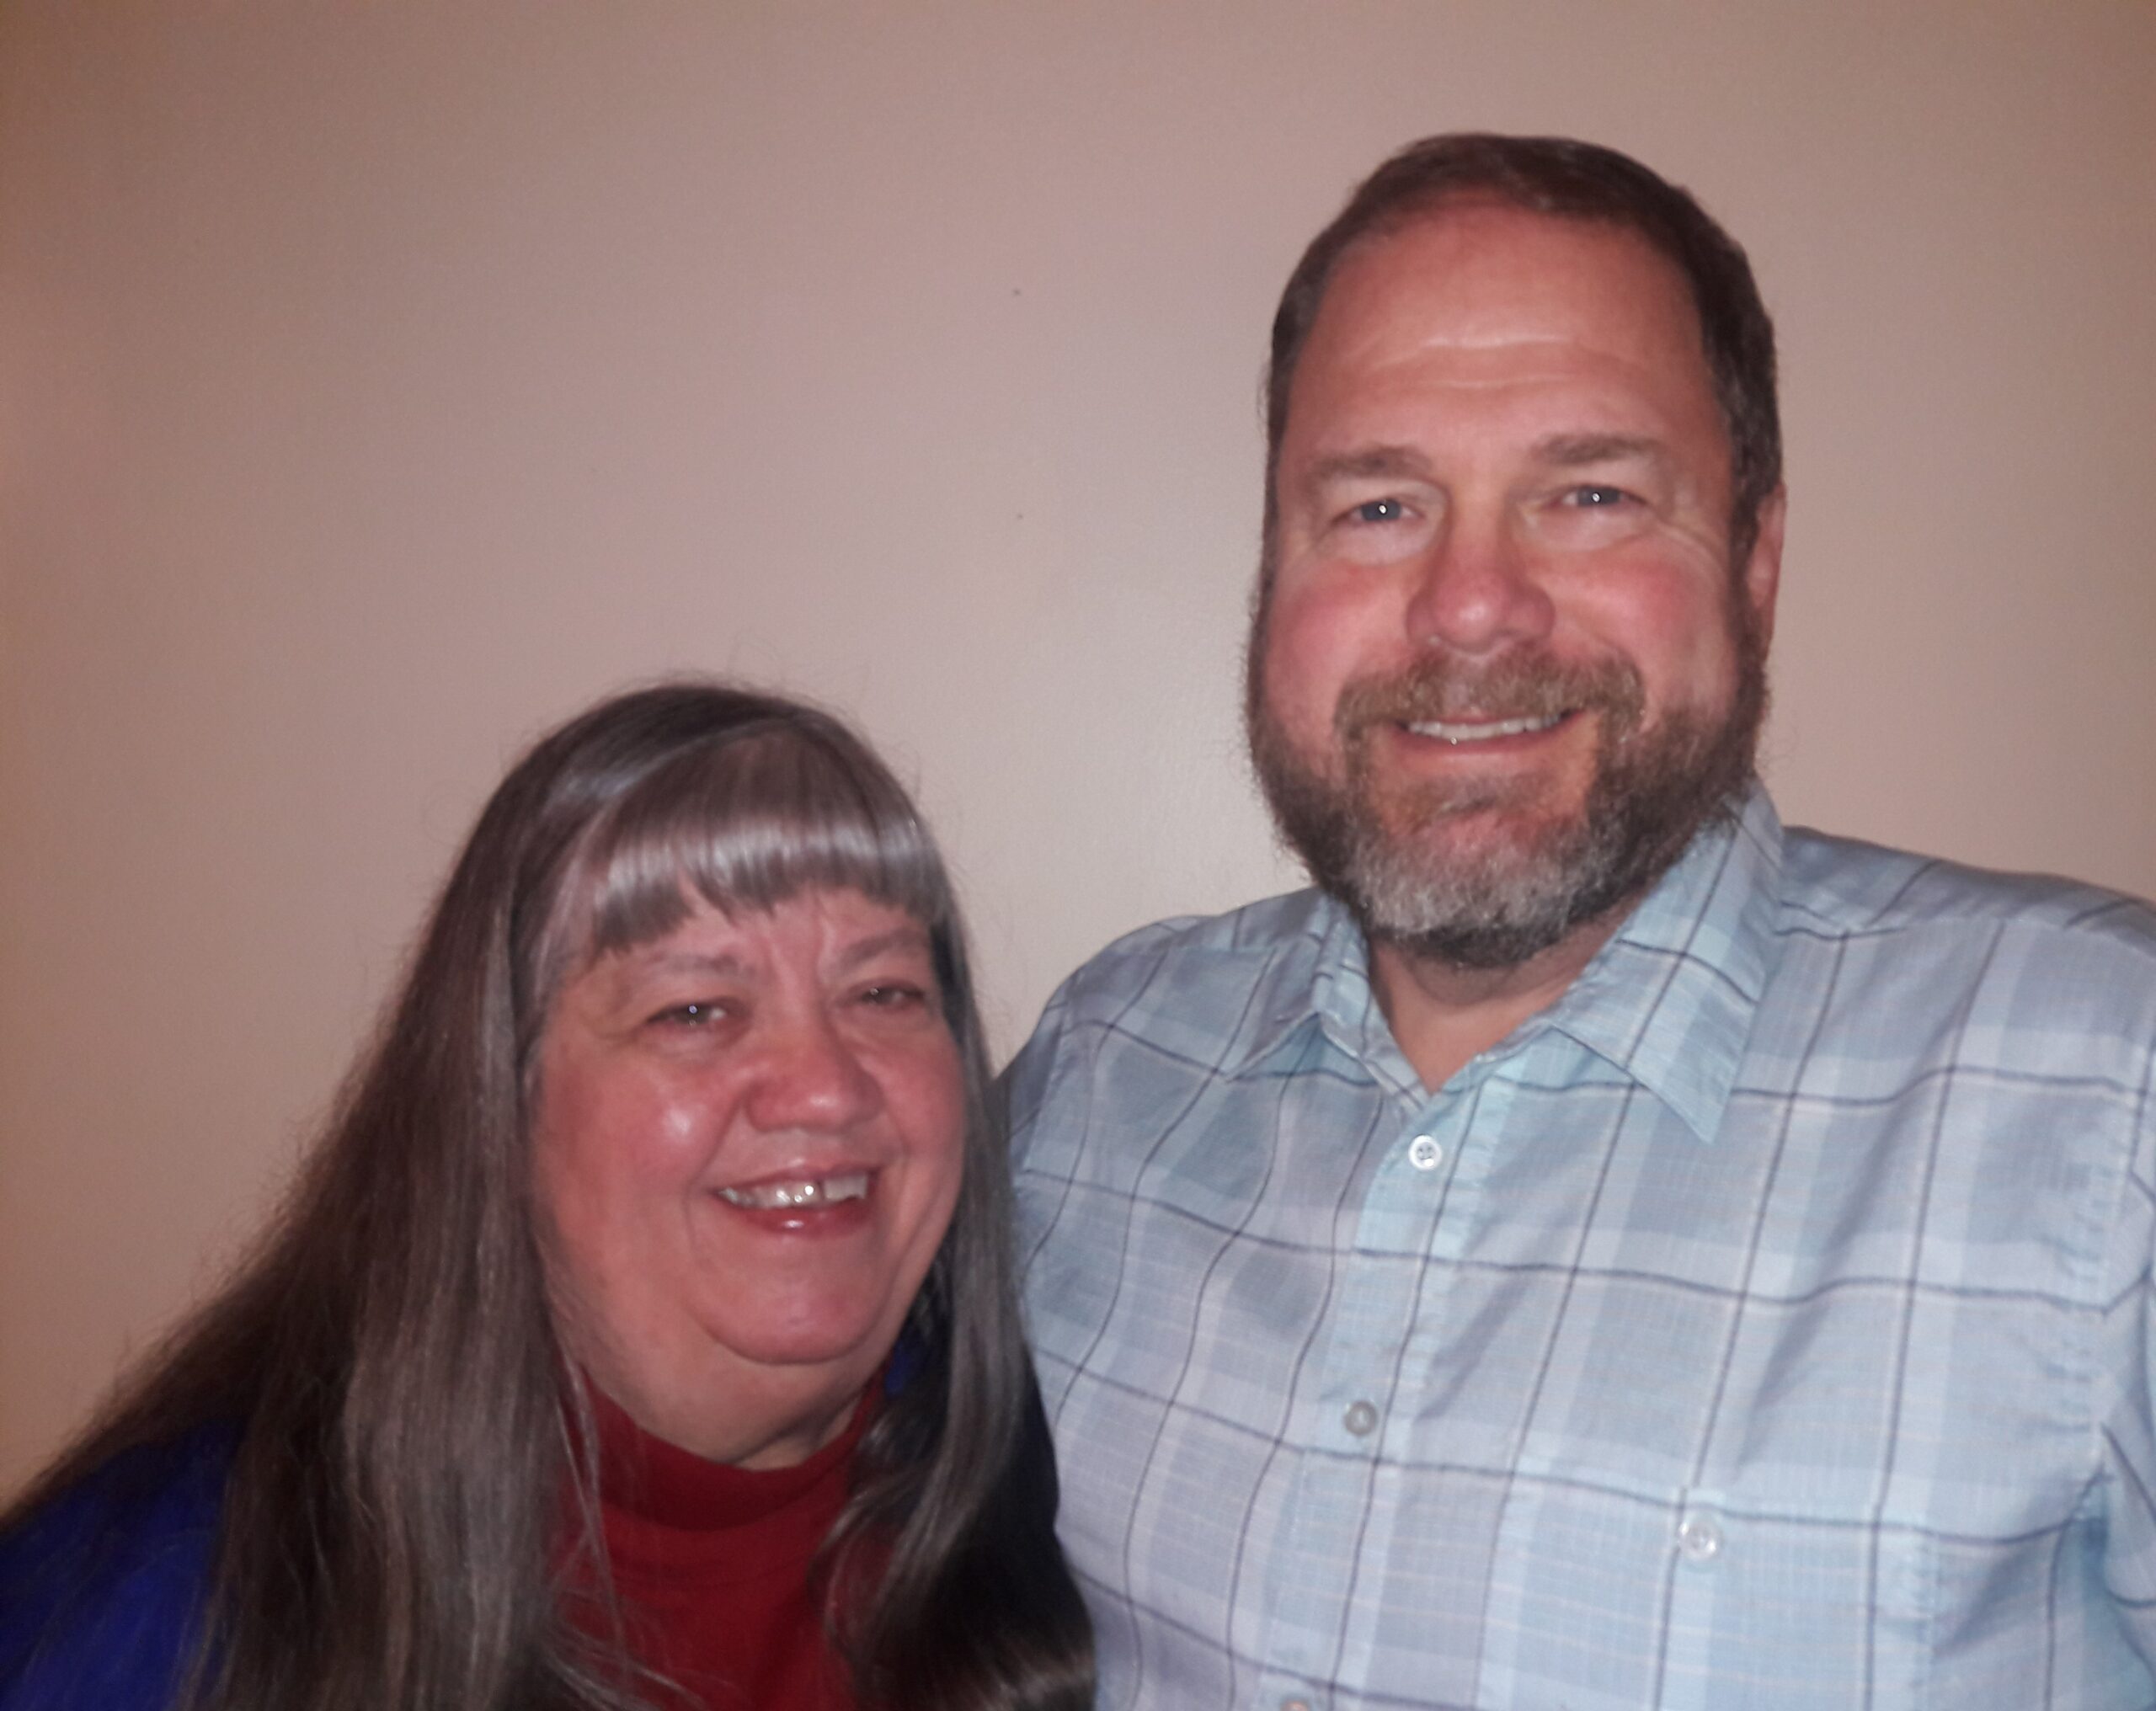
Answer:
(1598, 1249)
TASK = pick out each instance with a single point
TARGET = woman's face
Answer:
(748, 1145)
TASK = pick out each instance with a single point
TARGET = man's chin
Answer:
(1488, 823)
(1490, 889)
(1492, 830)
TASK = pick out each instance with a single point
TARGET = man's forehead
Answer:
(1476, 299)
(1482, 275)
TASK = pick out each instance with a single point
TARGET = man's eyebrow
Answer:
(1570, 451)
(1371, 462)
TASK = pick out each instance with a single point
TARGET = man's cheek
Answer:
(1320, 640)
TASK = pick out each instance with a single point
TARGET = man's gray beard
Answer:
(1655, 788)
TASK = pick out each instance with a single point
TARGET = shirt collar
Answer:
(1669, 1000)
(1315, 979)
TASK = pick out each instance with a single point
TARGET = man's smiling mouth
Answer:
(1458, 731)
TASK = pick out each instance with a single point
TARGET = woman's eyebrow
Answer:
(659, 960)
(909, 937)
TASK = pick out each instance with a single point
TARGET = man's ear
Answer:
(1762, 570)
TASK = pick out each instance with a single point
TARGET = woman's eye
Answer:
(892, 994)
(697, 1013)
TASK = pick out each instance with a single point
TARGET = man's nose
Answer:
(811, 1077)
(1477, 591)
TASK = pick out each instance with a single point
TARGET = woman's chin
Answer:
(842, 1337)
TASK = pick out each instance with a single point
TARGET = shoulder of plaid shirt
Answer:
(1766, 1324)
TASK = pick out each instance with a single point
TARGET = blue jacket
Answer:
(101, 1590)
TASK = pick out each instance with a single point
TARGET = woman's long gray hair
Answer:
(393, 1519)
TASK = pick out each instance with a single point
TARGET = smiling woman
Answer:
(642, 1332)
(748, 1150)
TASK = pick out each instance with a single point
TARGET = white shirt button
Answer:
(1426, 1153)
(1699, 1538)
(1361, 1418)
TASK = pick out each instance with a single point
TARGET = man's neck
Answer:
(1442, 1014)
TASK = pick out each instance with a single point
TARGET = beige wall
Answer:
(380, 381)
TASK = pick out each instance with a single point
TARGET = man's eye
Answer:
(1378, 511)
(1590, 498)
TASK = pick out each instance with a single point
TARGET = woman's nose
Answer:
(811, 1078)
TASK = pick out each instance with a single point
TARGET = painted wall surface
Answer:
(378, 383)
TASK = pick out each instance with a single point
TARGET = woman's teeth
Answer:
(1481, 731)
(781, 1196)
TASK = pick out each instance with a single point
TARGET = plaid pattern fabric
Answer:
(1767, 1325)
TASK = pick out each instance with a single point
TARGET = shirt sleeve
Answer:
(1023, 1085)
(101, 1590)
(2126, 1381)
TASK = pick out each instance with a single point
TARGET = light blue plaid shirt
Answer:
(1767, 1325)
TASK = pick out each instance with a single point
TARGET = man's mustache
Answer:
(1519, 685)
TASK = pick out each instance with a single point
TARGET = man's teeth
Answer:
(781, 1196)
(1481, 730)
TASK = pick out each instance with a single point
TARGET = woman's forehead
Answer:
(683, 925)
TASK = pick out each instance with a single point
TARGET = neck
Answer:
(1442, 1014)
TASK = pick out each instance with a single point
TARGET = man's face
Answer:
(1502, 672)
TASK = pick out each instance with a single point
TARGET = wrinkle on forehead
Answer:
(1487, 356)
(1489, 363)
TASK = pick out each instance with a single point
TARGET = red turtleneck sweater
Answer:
(711, 1565)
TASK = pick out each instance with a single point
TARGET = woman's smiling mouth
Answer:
(799, 1193)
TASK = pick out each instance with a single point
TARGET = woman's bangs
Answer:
(746, 825)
